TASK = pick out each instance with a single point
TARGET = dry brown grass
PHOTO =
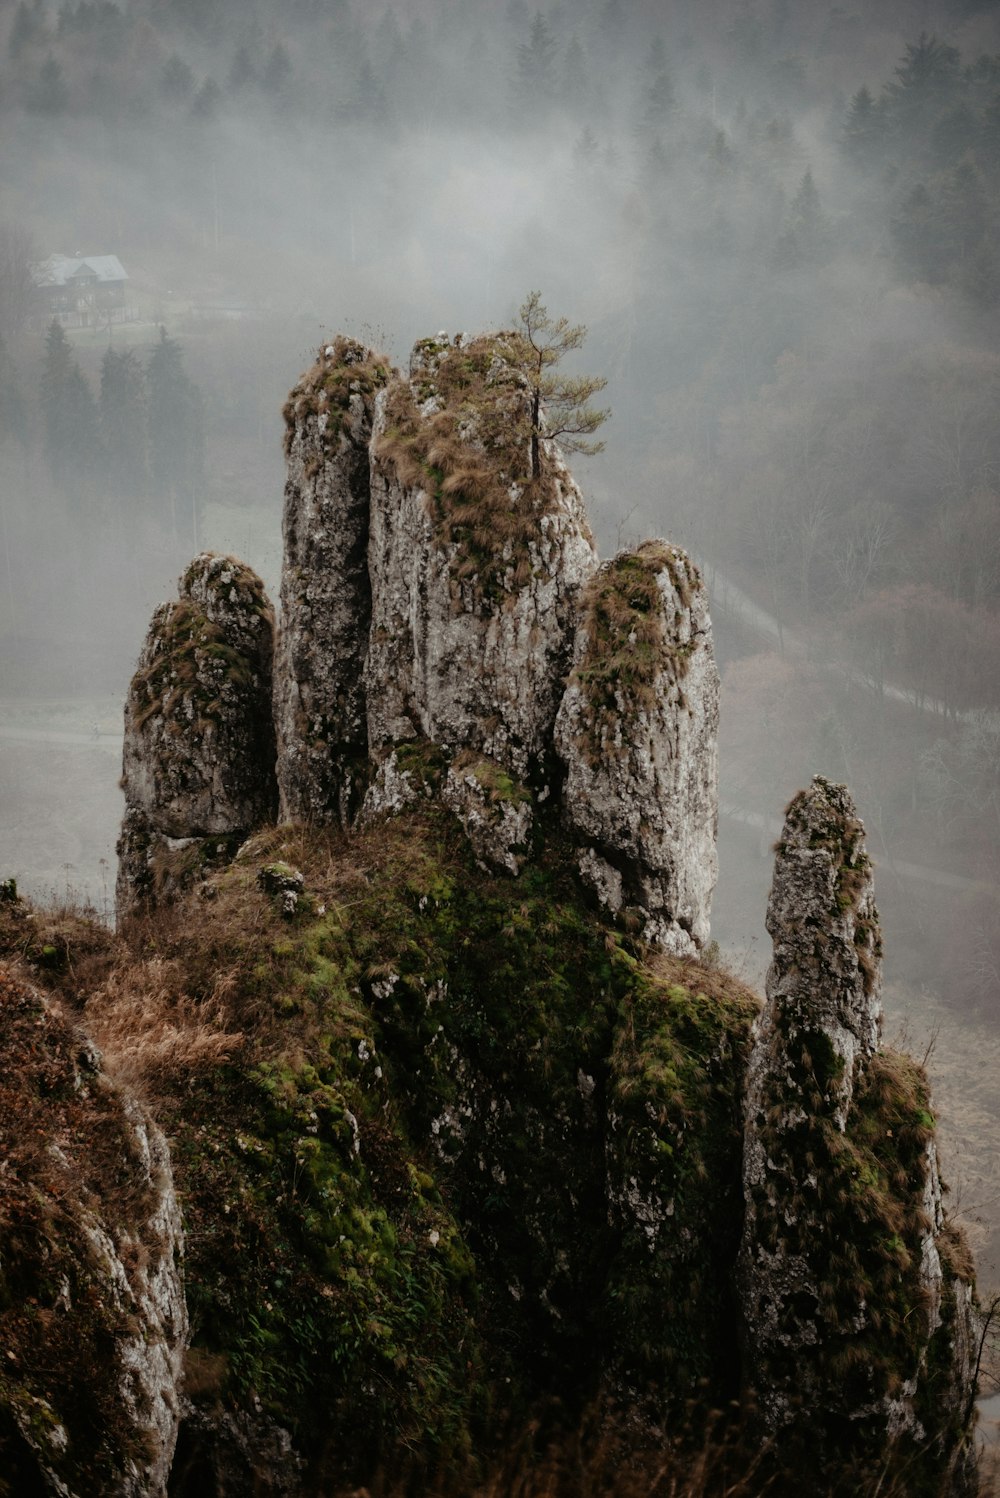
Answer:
(472, 458)
(148, 1027)
(700, 976)
(718, 1455)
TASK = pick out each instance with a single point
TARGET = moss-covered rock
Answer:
(198, 758)
(474, 1153)
(319, 699)
(469, 1150)
(92, 1314)
(637, 735)
(857, 1311)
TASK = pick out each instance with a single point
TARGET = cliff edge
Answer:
(471, 1151)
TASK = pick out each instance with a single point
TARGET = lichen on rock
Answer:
(93, 1320)
(855, 1291)
(319, 697)
(198, 757)
(474, 566)
(637, 733)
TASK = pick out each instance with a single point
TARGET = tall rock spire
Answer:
(319, 698)
(637, 732)
(475, 565)
(855, 1291)
(198, 758)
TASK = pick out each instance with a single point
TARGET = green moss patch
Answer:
(497, 784)
(398, 1216)
(680, 1049)
(630, 644)
(193, 657)
(343, 370)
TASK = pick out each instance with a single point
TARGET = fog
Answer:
(780, 224)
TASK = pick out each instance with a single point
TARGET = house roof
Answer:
(63, 270)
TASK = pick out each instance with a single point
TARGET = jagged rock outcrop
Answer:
(637, 732)
(198, 758)
(475, 566)
(92, 1314)
(439, 587)
(454, 1145)
(319, 695)
(854, 1290)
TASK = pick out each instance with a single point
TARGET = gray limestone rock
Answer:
(855, 1290)
(198, 758)
(637, 732)
(474, 567)
(826, 968)
(95, 1332)
(496, 811)
(319, 696)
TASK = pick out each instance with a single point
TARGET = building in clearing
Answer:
(81, 291)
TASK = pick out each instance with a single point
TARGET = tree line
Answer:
(139, 437)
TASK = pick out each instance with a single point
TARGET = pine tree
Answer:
(865, 127)
(277, 75)
(575, 85)
(805, 237)
(28, 27)
(12, 410)
(68, 413)
(535, 84)
(559, 403)
(175, 433)
(658, 93)
(50, 94)
(177, 79)
(926, 79)
(123, 421)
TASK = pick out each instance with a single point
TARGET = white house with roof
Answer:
(81, 290)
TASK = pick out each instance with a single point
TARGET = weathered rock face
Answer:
(92, 1313)
(438, 587)
(826, 971)
(319, 699)
(475, 567)
(855, 1293)
(637, 732)
(198, 759)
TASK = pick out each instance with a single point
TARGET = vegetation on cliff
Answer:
(420, 1194)
(457, 1159)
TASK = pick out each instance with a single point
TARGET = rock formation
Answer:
(319, 697)
(198, 759)
(855, 1295)
(638, 732)
(92, 1314)
(475, 567)
(483, 1132)
(440, 603)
